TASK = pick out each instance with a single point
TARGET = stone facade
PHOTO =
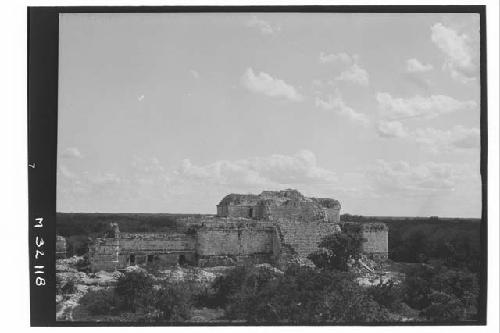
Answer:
(126, 249)
(248, 228)
(60, 247)
(272, 205)
(375, 238)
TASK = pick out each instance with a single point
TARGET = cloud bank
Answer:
(460, 58)
(414, 65)
(336, 104)
(419, 106)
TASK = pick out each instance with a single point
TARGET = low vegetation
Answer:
(137, 296)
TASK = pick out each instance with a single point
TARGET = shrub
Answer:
(101, 302)
(227, 285)
(442, 294)
(173, 302)
(83, 265)
(303, 295)
(65, 287)
(336, 250)
(444, 308)
(78, 244)
(134, 289)
(387, 294)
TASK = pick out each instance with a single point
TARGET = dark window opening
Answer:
(182, 260)
(150, 258)
(250, 212)
(132, 259)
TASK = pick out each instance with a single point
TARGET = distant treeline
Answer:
(455, 242)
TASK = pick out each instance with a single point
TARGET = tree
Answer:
(442, 294)
(387, 294)
(444, 308)
(304, 295)
(134, 288)
(336, 250)
(101, 302)
(172, 302)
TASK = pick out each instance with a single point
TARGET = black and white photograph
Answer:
(269, 167)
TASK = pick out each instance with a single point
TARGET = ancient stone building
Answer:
(206, 241)
(60, 247)
(375, 238)
(247, 228)
(273, 205)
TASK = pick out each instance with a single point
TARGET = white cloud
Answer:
(413, 65)
(194, 74)
(336, 104)
(105, 179)
(407, 179)
(300, 168)
(418, 106)
(337, 58)
(458, 138)
(65, 172)
(71, 152)
(391, 129)
(354, 74)
(264, 83)
(263, 26)
(460, 54)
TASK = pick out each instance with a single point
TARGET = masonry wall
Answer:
(375, 238)
(143, 248)
(290, 210)
(156, 242)
(333, 215)
(304, 236)
(104, 254)
(60, 247)
(297, 211)
(376, 244)
(235, 211)
(241, 238)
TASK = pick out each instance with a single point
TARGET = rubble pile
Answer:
(370, 272)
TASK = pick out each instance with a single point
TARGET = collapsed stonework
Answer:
(60, 247)
(272, 205)
(262, 228)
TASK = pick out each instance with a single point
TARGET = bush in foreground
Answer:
(134, 290)
(172, 302)
(136, 293)
(100, 302)
(301, 295)
(336, 250)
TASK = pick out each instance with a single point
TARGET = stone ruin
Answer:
(375, 236)
(60, 247)
(271, 227)
(276, 205)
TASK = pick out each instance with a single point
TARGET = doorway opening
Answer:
(182, 260)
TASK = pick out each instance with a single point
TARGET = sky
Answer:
(167, 113)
